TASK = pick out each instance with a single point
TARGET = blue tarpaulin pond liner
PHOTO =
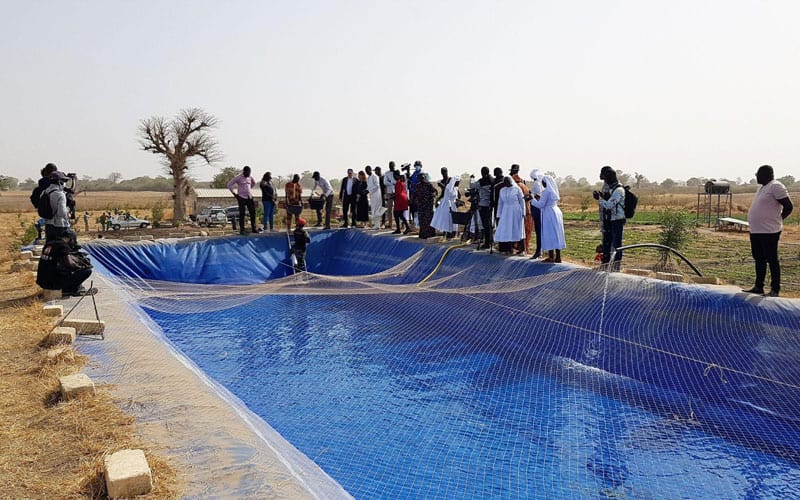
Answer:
(479, 350)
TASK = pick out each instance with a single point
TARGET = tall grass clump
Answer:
(677, 229)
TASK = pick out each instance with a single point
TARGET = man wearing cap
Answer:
(301, 240)
(771, 205)
(347, 195)
(322, 184)
(244, 184)
(58, 225)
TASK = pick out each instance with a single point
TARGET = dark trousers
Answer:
(612, 238)
(398, 218)
(486, 222)
(72, 281)
(349, 207)
(536, 213)
(52, 233)
(251, 209)
(764, 247)
(328, 208)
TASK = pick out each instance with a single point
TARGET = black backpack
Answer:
(631, 200)
(44, 207)
(35, 195)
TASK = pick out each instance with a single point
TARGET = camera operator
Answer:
(611, 201)
(56, 196)
(482, 199)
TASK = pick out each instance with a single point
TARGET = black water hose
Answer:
(662, 247)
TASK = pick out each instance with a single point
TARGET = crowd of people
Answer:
(502, 210)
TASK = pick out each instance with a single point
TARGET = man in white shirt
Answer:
(322, 185)
(375, 205)
(389, 181)
(771, 205)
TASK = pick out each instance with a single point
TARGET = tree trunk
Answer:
(178, 194)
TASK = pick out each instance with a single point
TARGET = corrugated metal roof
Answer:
(224, 193)
(212, 193)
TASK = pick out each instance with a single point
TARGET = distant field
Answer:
(19, 201)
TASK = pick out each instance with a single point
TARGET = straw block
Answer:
(62, 335)
(203, 233)
(638, 272)
(75, 385)
(670, 277)
(24, 265)
(54, 310)
(127, 474)
(37, 250)
(86, 326)
(26, 255)
(50, 295)
(147, 237)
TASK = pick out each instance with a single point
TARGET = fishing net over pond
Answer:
(413, 369)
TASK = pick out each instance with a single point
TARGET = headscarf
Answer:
(552, 186)
(536, 175)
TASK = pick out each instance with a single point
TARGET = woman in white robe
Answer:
(510, 215)
(441, 217)
(552, 220)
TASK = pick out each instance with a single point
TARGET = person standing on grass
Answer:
(536, 213)
(400, 203)
(771, 205)
(244, 184)
(510, 216)
(525, 243)
(553, 239)
(611, 201)
(375, 197)
(294, 202)
(268, 199)
(388, 183)
(347, 195)
(327, 194)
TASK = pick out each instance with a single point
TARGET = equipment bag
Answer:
(631, 200)
(44, 207)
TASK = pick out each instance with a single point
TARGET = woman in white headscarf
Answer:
(441, 217)
(510, 215)
(552, 220)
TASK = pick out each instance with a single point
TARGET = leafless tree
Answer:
(180, 141)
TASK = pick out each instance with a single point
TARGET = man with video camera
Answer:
(481, 197)
(611, 201)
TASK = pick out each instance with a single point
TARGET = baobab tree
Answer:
(180, 141)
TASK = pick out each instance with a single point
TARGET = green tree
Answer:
(787, 180)
(7, 183)
(180, 141)
(668, 183)
(220, 180)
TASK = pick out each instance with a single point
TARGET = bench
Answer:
(724, 223)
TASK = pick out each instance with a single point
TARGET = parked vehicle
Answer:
(232, 214)
(127, 222)
(210, 216)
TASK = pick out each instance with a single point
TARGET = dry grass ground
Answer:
(51, 448)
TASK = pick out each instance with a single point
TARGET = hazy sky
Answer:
(666, 88)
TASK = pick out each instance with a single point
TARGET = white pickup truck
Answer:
(212, 215)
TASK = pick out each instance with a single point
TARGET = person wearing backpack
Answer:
(612, 213)
(53, 208)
